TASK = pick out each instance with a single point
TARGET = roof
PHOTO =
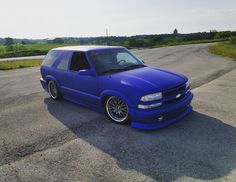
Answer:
(86, 48)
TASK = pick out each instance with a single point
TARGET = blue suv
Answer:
(112, 80)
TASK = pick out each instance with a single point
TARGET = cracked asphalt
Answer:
(46, 140)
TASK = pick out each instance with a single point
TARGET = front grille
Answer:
(172, 101)
(170, 96)
(174, 91)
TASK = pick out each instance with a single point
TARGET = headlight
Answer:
(187, 85)
(152, 97)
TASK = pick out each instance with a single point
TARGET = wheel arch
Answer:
(106, 94)
(50, 77)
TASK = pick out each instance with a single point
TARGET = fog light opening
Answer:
(161, 118)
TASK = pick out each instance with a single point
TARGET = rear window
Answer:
(51, 58)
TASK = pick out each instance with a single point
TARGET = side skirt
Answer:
(97, 108)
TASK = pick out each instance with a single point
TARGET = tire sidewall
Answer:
(57, 97)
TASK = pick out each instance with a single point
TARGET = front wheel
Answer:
(117, 110)
(53, 90)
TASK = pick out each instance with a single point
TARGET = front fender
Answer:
(117, 94)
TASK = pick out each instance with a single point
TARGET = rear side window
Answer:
(63, 65)
(50, 58)
(79, 62)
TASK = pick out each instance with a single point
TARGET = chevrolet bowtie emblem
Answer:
(178, 96)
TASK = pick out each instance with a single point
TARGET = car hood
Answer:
(149, 79)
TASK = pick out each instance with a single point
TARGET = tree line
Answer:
(132, 41)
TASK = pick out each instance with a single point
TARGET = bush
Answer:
(23, 53)
(132, 42)
(233, 40)
(223, 35)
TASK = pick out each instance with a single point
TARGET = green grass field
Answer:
(28, 49)
(224, 49)
(44, 47)
(14, 64)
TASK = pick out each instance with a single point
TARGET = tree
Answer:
(175, 31)
(223, 35)
(212, 34)
(132, 42)
(58, 41)
(9, 41)
(154, 39)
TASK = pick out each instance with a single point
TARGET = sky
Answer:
(85, 18)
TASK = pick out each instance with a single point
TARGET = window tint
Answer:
(124, 57)
(50, 58)
(113, 59)
(63, 65)
(79, 62)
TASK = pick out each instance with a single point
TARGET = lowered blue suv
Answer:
(113, 80)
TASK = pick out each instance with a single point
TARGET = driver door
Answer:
(82, 87)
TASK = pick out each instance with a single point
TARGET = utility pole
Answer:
(107, 35)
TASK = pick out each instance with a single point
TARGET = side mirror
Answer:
(86, 73)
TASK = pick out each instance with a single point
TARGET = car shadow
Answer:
(199, 146)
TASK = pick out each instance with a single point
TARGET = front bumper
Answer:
(144, 119)
(44, 84)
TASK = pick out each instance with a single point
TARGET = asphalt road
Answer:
(46, 140)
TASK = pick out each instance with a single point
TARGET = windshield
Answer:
(114, 60)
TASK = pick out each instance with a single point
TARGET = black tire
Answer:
(116, 110)
(53, 90)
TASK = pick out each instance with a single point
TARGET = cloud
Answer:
(213, 11)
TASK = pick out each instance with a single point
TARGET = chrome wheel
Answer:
(52, 89)
(117, 109)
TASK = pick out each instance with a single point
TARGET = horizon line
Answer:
(182, 33)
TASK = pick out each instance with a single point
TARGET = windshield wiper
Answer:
(113, 70)
(134, 66)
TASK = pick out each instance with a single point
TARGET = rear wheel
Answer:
(117, 110)
(53, 90)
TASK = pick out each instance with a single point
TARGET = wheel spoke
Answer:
(117, 109)
(53, 90)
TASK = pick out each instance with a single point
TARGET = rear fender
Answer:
(50, 77)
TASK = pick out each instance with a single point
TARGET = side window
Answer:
(79, 62)
(50, 58)
(63, 65)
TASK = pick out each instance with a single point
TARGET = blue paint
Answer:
(89, 88)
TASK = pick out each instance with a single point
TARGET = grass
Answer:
(28, 50)
(224, 49)
(44, 47)
(14, 64)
